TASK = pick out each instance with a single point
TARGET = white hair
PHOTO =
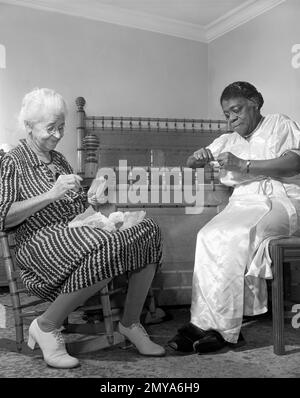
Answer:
(37, 103)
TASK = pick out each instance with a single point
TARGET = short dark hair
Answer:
(242, 89)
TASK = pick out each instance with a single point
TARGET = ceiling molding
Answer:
(120, 16)
(239, 16)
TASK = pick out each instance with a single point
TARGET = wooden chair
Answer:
(103, 306)
(105, 331)
(106, 305)
(283, 251)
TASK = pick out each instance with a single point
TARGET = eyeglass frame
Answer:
(54, 129)
(60, 130)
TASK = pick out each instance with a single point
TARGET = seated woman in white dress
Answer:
(260, 160)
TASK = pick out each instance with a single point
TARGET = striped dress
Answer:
(54, 258)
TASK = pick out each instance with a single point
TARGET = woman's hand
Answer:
(200, 158)
(97, 193)
(230, 162)
(204, 154)
(92, 200)
(63, 184)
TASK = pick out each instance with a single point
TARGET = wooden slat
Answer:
(22, 290)
(292, 252)
(33, 303)
(29, 314)
(85, 344)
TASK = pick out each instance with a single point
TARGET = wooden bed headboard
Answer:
(155, 143)
(144, 142)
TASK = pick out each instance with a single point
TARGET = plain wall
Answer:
(120, 71)
(129, 72)
(260, 52)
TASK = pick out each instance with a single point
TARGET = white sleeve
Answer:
(218, 145)
(286, 137)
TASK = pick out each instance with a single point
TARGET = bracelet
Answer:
(248, 166)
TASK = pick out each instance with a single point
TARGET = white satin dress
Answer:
(232, 260)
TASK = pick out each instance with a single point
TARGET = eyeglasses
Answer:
(53, 130)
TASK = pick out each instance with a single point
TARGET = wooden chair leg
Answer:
(15, 297)
(107, 314)
(19, 332)
(152, 304)
(13, 290)
(277, 301)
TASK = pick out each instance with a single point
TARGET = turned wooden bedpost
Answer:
(80, 102)
(91, 145)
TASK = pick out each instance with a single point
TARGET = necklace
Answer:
(256, 128)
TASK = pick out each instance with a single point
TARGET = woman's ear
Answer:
(254, 101)
(28, 126)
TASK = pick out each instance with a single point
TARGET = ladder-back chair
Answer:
(22, 309)
(101, 312)
(101, 307)
(283, 251)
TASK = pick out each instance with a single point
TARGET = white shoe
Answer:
(52, 345)
(140, 338)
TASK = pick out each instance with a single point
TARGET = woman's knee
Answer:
(153, 226)
(212, 232)
(277, 222)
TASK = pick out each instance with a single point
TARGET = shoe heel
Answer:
(126, 344)
(31, 342)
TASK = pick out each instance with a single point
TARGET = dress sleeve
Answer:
(8, 187)
(218, 145)
(287, 137)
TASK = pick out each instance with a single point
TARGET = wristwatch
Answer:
(248, 166)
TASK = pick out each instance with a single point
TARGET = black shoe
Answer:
(186, 337)
(213, 341)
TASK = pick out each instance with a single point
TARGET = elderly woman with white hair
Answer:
(40, 195)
